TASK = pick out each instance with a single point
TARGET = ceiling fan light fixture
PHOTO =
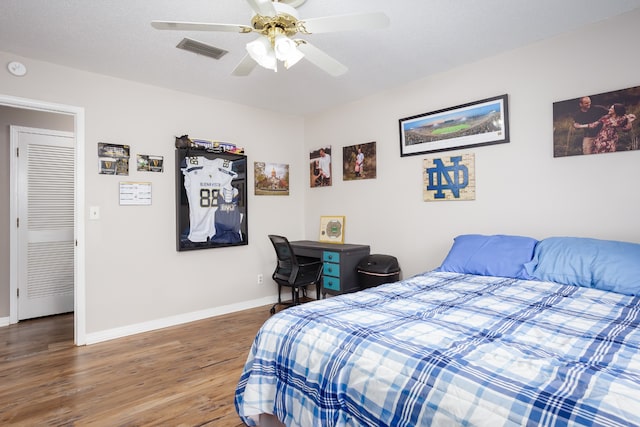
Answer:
(283, 47)
(287, 51)
(260, 50)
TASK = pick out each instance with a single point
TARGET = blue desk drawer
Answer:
(331, 257)
(332, 283)
(331, 269)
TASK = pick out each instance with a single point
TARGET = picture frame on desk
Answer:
(332, 229)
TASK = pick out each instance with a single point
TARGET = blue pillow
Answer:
(497, 255)
(602, 264)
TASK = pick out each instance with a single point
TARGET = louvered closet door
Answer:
(46, 222)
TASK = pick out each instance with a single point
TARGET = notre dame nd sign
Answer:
(449, 178)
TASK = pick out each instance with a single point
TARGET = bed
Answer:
(507, 331)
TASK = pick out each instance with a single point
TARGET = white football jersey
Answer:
(203, 180)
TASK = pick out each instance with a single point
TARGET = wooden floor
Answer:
(179, 376)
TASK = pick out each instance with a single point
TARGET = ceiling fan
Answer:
(277, 22)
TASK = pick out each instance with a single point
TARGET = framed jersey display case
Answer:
(211, 199)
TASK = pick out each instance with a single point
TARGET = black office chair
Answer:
(296, 272)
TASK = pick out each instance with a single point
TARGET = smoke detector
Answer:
(16, 68)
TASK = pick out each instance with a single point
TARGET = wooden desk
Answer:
(340, 261)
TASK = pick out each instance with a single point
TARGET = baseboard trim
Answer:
(5, 321)
(110, 334)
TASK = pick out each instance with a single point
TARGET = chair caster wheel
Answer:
(273, 310)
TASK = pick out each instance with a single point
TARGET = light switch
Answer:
(94, 212)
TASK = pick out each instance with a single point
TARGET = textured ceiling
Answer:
(114, 37)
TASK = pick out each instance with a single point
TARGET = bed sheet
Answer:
(449, 349)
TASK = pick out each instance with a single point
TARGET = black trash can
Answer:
(377, 269)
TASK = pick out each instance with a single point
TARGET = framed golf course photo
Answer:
(483, 122)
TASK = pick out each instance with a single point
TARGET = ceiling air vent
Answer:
(201, 48)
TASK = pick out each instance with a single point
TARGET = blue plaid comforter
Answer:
(449, 349)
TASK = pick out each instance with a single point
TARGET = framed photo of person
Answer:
(320, 167)
(597, 123)
(359, 162)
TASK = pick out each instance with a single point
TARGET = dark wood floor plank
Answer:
(179, 376)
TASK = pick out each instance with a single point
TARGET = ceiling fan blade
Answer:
(263, 7)
(245, 67)
(321, 59)
(330, 24)
(200, 26)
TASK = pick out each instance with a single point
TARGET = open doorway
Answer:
(74, 115)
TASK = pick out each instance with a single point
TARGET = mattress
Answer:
(444, 348)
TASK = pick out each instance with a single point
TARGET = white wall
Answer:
(520, 187)
(133, 273)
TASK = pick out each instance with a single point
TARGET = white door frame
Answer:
(79, 296)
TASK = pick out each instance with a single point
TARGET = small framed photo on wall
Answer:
(271, 179)
(320, 167)
(359, 161)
